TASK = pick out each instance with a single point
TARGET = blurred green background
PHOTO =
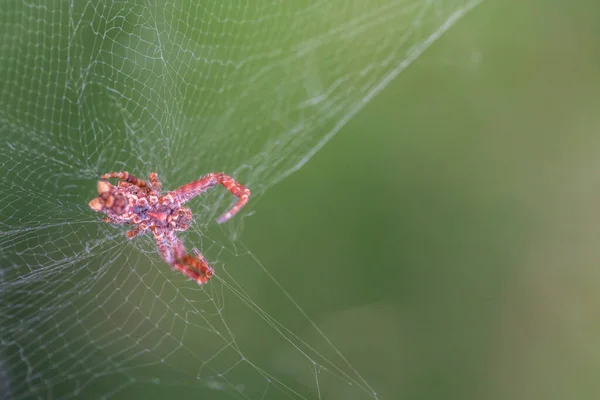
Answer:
(445, 240)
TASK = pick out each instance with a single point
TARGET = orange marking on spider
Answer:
(137, 202)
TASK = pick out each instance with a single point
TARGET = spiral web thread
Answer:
(181, 88)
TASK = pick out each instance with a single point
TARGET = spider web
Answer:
(182, 88)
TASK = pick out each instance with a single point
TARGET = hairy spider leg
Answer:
(187, 192)
(114, 221)
(200, 268)
(174, 254)
(140, 230)
(198, 265)
(126, 176)
(154, 181)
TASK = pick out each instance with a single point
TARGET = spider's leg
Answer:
(140, 230)
(164, 246)
(113, 221)
(202, 260)
(173, 252)
(200, 270)
(199, 264)
(176, 244)
(154, 181)
(126, 176)
(187, 192)
(191, 267)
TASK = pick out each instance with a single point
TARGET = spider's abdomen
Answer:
(109, 200)
(119, 203)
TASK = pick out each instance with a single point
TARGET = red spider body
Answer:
(139, 203)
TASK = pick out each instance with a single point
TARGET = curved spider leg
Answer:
(187, 192)
(114, 221)
(126, 176)
(140, 230)
(199, 266)
(202, 271)
(176, 244)
(154, 181)
(173, 252)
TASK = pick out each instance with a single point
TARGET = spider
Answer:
(139, 203)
